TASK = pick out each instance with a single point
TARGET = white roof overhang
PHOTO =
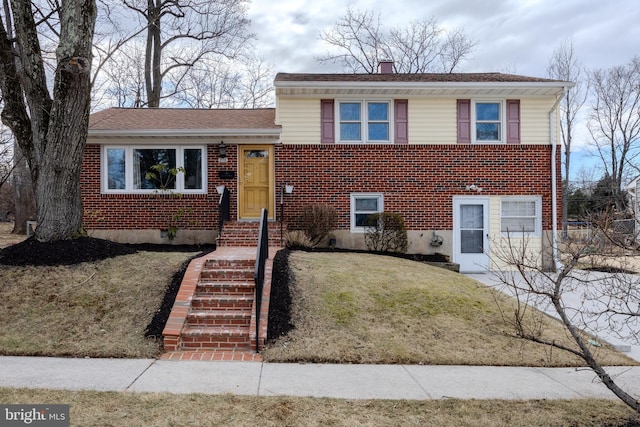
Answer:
(421, 89)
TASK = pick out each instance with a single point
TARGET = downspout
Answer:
(554, 179)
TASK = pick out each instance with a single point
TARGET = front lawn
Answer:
(92, 309)
(366, 308)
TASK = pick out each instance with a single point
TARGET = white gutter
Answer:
(554, 179)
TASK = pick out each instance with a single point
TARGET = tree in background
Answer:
(577, 204)
(49, 127)
(358, 42)
(614, 122)
(242, 83)
(181, 34)
(6, 155)
(564, 65)
(606, 197)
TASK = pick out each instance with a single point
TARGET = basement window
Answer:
(363, 205)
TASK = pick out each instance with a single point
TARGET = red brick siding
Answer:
(418, 181)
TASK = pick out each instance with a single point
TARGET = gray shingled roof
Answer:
(123, 119)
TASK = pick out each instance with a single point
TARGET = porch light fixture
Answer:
(222, 150)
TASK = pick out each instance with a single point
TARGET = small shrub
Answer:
(386, 232)
(298, 239)
(318, 221)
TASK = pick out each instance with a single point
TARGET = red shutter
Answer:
(327, 113)
(401, 118)
(464, 121)
(513, 121)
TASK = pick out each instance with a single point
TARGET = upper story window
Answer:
(364, 121)
(154, 169)
(488, 121)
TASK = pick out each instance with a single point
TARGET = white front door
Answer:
(470, 230)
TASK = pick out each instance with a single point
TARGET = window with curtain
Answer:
(520, 215)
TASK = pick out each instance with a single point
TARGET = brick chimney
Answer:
(385, 66)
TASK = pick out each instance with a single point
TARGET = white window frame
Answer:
(354, 196)
(538, 216)
(502, 120)
(364, 120)
(104, 175)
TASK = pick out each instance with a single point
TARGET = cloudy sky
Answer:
(514, 36)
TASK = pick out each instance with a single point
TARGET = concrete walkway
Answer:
(412, 382)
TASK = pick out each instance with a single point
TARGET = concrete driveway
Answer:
(577, 302)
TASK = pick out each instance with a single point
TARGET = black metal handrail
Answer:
(258, 275)
(224, 209)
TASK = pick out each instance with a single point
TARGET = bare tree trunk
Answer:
(60, 211)
(52, 136)
(153, 74)
(23, 195)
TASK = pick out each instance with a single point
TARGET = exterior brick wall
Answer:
(418, 181)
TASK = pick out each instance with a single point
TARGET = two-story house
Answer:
(465, 159)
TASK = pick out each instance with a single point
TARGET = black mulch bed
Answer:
(83, 249)
(64, 252)
(279, 323)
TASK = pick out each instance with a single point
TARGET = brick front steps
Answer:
(213, 315)
(245, 233)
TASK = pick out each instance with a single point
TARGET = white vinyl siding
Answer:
(534, 121)
(432, 121)
(300, 120)
(500, 242)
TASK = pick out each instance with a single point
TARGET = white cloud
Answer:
(510, 33)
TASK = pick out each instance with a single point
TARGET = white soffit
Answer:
(426, 89)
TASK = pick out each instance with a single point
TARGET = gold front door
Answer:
(256, 181)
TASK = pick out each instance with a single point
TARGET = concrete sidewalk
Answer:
(412, 382)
